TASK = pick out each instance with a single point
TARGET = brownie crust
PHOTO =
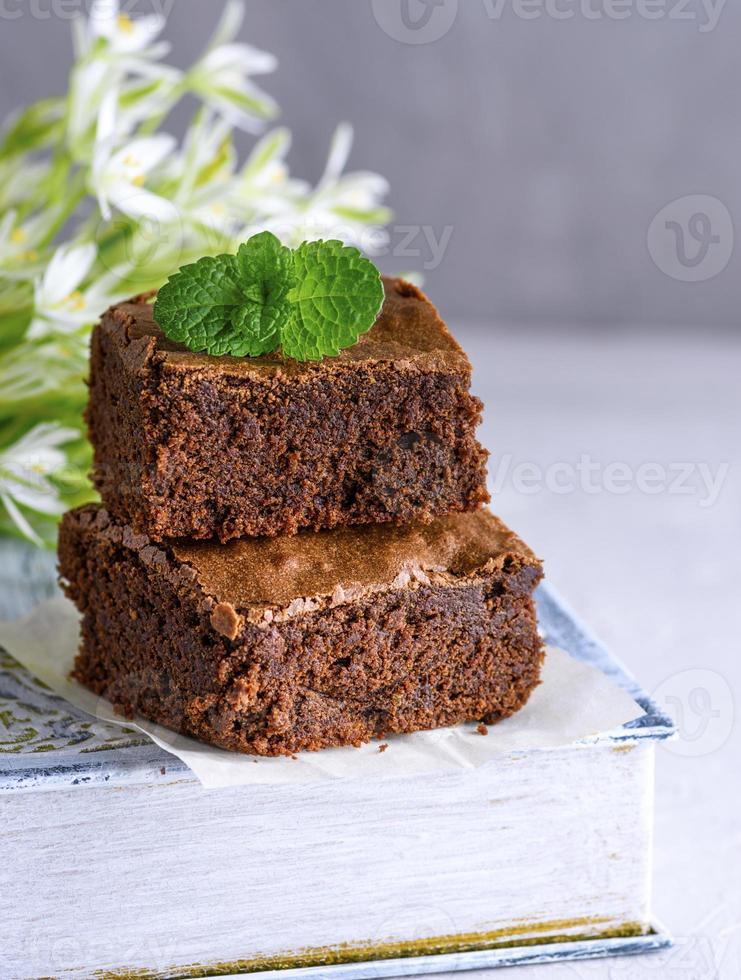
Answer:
(187, 445)
(442, 632)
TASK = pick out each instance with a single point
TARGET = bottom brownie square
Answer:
(273, 645)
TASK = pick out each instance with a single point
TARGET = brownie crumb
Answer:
(383, 747)
(482, 729)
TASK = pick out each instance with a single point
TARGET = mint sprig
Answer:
(311, 302)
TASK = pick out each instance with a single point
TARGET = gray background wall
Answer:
(547, 145)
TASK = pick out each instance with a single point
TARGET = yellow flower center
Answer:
(125, 24)
(218, 208)
(75, 300)
(18, 235)
(130, 162)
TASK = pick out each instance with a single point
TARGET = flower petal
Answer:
(270, 149)
(148, 151)
(243, 59)
(20, 521)
(228, 27)
(66, 270)
(41, 436)
(339, 151)
(140, 203)
(143, 31)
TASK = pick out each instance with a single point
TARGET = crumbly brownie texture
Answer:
(271, 646)
(188, 445)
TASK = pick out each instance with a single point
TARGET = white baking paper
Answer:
(574, 702)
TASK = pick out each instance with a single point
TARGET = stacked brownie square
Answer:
(296, 555)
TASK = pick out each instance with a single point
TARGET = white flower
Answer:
(221, 76)
(31, 370)
(118, 177)
(228, 26)
(57, 297)
(89, 83)
(100, 89)
(120, 33)
(21, 242)
(24, 470)
(115, 55)
(13, 239)
(201, 175)
(352, 199)
(19, 181)
(208, 153)
(145, 100)
(346, 206)
(263, 187)
(61, 304)
(124, 35)
(214, 203)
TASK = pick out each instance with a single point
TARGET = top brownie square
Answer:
(189, 445)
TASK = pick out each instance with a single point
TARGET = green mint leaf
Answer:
(264, 268)
(230, 304)
(262, 258)
(336, 298)
(311, 302)
(197, 305)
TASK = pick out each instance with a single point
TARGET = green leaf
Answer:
(263, 259)
(265, 269)
(221, 160)
(34, 128)
(134, 93)
(311, 302)
(337, 297)
(262, 108)
(197, 305)
(271, 147)
(230, 304)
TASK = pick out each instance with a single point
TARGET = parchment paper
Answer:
(574, 702)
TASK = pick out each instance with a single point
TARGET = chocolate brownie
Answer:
(188, 445)
(272, 645)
